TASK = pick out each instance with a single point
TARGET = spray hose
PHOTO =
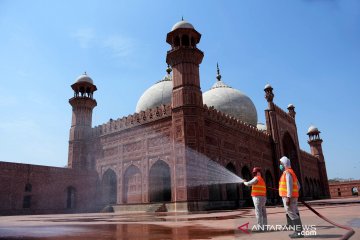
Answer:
(349, 232)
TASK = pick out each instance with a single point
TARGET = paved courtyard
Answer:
(211, 225)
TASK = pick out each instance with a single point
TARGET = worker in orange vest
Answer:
(258, 193)
(289, 187)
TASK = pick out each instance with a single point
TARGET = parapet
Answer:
(133, 120)
(232, 122)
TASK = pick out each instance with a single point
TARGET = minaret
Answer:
(187, 105)
(316, 149)
(184, 59)
(82, 104)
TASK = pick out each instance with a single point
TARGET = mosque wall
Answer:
(312, 186)
(33, 189)
(344, 188)
(239, 147)
(131, 151)
(228, 141)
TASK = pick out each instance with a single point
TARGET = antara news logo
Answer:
(305, 230)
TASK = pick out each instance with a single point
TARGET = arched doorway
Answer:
(246, 174)
(215, 193)
(132, 185)
(70, 197)
(109, 187)
(321, 188)
(269, 184)
(231, 188)
(307, 188)
(312, 188)
(317, 189)
(290, 151)
(160, 182)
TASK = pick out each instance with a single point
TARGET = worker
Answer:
(289, 187)
(258, 193)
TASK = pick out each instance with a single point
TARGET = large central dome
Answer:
(231, 102)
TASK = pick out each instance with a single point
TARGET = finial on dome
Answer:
(168, 70)
(182, 18)
(85, 73)
(218, 72)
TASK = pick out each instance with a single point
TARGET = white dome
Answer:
(291, 106)
(182, 24)
(84, 78)
(261, 127)
(157, 95)
(313, 129)
(232, 102)
(267, 86)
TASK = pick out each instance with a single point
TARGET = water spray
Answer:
(205, 171)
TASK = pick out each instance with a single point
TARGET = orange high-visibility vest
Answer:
(283, 187)
(258, 189)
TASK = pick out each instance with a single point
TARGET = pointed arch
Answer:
(231, 188)
(290, 151)
(307, 187)
(109, 187)
(312, 188)
(269, 183)
(215, 193)
(132, 185)
(159, 182)
(246, 174)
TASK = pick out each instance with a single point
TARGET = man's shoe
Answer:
(298, 229)
(296, 235)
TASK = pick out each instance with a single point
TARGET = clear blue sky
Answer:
(308, 50)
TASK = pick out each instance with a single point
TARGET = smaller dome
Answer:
(182, 24)
(291, 106)
(313, 129)
(267, 86)
(261, 127)
(230, 101)
(157, 95)
(84, 78)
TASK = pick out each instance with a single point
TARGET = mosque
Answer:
(144, 161)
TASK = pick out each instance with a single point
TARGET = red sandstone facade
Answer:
(148, 157)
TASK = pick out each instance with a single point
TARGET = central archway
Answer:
(109, 187)
(160, 182)
(231, 188)
(132, 185)
(246, 174)
(291, 152)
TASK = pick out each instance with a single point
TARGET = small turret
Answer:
(269, 95)
(315, 143)
(291, 110)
